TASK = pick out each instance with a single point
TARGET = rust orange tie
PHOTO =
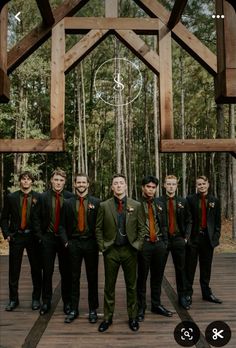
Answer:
(203, 209)
(151, 219)
(57, 212)
(171, 216)
(81, 215)
(24, 213)
(120, 207)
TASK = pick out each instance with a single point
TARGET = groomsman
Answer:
(153, 254)
(17, 228)
(119, 232)
(179, 229)
(46, 223)
(77, 231)
(205, 235)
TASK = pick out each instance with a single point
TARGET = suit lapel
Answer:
(18, 204)
(113, 209)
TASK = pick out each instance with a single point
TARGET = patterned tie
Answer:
(120, 206)
(203, 210)
(171, 216)
(57, 212)
(81, 215)
(151, 219)
(24, 213)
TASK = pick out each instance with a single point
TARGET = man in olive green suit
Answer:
(120, 232)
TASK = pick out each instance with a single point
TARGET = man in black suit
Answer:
(179, 229)
(77, 231)
(205, 235)
(17, 228)
(153, 254)
(46, 223)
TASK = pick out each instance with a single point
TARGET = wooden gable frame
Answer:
(124, 28)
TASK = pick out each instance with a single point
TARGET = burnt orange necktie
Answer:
(81, 215)
(24, 213)
(203, 209)
(171, 216)
(152, 229)
(57, 212)
(120, 207)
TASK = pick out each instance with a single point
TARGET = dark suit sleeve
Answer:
(217, 230)
(141, 227)
(188, 219)
(5, 217)
(37, 217)
(63, 222)
(99, 228)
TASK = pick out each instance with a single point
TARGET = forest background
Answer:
(101, 138)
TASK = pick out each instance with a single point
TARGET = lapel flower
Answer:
(91, 206)
(34, 200)
(159, 208)
(211, 204)
(130, 209)
(179, 205)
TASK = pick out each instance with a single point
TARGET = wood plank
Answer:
(198, 145)
(31, 145)
(25, 47)
(140, 49)
(165, 81)
(141, 25)
(183, 36)
(4, 79)
(176, 13)
(57, 105)
(46, 11)
(111, 8)
(83, 48)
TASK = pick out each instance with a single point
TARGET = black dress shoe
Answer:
(141, 315)
(211, 298)
(184, 303)
(71, 316)
(35, 305)
(104, 325)
(93, 317)
(189, 299)
(66, 308)
(12, 305)
(133, 324)
(45, 308)
(162, 311)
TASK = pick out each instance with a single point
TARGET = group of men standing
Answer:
(137, 236)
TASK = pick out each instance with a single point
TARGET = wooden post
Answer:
(4, 79)
(225, 82)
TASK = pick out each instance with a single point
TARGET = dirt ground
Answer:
(227, 244)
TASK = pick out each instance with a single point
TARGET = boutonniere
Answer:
(91, 206)
(211, 204)
(130, 209)
(180, 205)
(159, 208)
(34, 200)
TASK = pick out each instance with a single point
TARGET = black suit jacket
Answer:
(183, 215)
(213, 217)
(11, 213)
(43, 212)
(68, 220)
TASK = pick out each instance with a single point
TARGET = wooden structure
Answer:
(27, 329)
(161, 23)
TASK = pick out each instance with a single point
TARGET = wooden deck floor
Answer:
(25, 328)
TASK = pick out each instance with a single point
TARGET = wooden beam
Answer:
(25, 47)
(4, 79)
(182, 35)
(77, 25)
(198, 145)
(176, 13)
(140, 49)
(111, 8)
(225, 82)
(165, 80)
(46, 11)
(32, 145)
(58, 82)
(83, 48)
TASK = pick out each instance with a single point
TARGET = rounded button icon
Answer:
(218, 333)
(186, 334)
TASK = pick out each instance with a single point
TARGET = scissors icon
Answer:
(217, 334)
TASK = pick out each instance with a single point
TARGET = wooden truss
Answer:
(162, 23)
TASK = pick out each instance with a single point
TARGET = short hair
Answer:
(26, 173)
(203, 177)
(150, 178)
(171, 177)
(81, 174)
(58, 171)
(118, 175)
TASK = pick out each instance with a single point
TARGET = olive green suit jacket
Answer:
(106, 226)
